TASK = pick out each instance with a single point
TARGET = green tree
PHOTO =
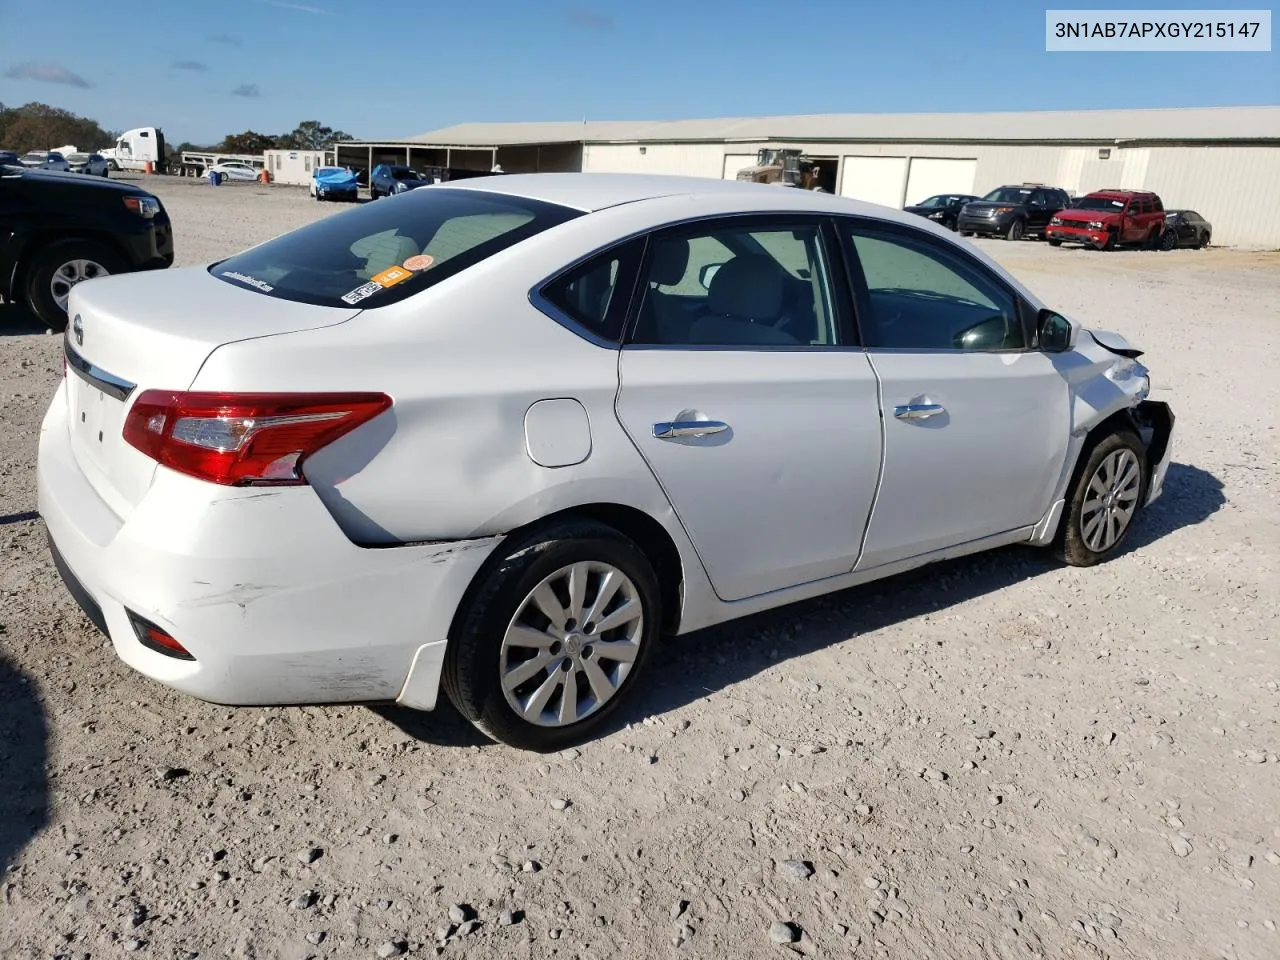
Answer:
(312, 135)
(249, 142)
(38, 126)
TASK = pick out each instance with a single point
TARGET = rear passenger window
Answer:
(921, 296)
(595, 294)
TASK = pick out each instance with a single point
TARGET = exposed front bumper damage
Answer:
(1155, 420)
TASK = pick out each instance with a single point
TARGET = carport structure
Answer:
(465, 154)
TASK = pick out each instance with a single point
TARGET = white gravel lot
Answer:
(996, 757)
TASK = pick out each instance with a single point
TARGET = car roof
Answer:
(589, 192)
(1121, 193)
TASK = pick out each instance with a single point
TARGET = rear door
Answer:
(975, 421)
(750, 402)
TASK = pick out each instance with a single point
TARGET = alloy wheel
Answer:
(571, 644)
(1110, 500)
(71, 273)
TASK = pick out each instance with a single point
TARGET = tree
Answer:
(38, 126)
(249, 142)
(312, 135)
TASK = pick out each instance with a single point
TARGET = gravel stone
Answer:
(783, 932)
(795, 869)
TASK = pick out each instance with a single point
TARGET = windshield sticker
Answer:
(391, 276)
(361, 293)
(250, 281)
(420, 262)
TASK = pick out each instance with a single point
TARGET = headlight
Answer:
(1130, 376)
(146, 207)
(936, 216)
(999, 210)
(1096, 224)
(1056, 220)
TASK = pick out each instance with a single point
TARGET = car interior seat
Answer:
(663, 318)
(745, 301)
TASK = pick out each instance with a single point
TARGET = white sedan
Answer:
(499, 436)
(235, 170)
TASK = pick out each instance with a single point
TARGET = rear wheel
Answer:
(1168, 240)
(554, 637)
(1017, 230)
(1105, 498)
(61, 266)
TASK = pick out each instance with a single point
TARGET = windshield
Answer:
(1009, 195)
(404, 173)
(34, 156)
(78, 157)
(933, 202)
(383, 252)
(1098, 203)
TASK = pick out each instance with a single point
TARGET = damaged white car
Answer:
(499, 436)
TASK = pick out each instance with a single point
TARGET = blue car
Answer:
(334, 183)
(392, 178)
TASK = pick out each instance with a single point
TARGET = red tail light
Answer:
(244, 438)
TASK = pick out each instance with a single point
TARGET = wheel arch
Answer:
(36, 241)
(636, 525)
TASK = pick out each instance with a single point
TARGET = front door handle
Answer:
(918, 411)
(675, 429)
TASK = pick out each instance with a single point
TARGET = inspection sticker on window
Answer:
(361, 293)
(420, 262)
(391, 276)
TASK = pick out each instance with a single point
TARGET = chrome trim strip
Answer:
(108, 383)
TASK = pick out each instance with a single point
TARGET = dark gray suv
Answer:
(1013, 212)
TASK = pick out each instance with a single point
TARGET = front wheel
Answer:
(59, 267)
(1017, 230)
(554, 637)
(1204, 242)
(1103, 501)
(1168, 240)
(1055, 243)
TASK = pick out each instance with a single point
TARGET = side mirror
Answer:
(707, 273)
(1055, 332)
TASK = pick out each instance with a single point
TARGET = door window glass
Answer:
(921, 296)
(737, 286)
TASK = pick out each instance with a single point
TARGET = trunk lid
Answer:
(136, 332)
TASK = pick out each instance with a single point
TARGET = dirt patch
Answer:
(991, 758)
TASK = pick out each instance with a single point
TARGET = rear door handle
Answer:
(918, 411)
(675, 429)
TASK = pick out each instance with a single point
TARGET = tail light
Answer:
(239, 439)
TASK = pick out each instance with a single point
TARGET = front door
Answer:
(744, 395)
(974, 420)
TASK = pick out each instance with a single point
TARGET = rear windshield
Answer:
(380, 253)
(1099, 203)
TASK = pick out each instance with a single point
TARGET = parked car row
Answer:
(93, 164)
(1104, 219)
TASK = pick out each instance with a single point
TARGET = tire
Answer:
(479, 650)
(1079, 541)
(1054, 243)
(1110, 243)
(51, 260)
(1017, 230)
(1168, 240)
(966, 233)
(1204, 242)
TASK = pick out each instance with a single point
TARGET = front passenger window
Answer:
(921, 296)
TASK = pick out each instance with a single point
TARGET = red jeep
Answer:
(1106, 218)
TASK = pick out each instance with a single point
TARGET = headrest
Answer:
(670, 261)
(748, 286)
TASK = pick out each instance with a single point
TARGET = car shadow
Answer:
(16, 320)
(24, 800)
(690, 667)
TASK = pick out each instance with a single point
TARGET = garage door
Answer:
(733, 162)
(934, 175)
(874, 179)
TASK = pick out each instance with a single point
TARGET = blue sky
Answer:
(393, 68)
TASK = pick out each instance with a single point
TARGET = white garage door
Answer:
(933, 175)
(874, 179)
(733, 162)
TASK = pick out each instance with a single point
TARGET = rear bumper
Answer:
(274, 603)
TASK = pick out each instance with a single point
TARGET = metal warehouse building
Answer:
(1222, 162)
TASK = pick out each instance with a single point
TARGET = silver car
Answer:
(41, 160)
(92, 164)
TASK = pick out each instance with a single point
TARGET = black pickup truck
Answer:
(60, 229)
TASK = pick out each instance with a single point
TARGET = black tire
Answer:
(1055, 243)
(48, 261)
(966, 233)
(1017, 230)
(1204, 242)
(1069, 544)
(1110, 243)
(470, 675)
(1168, 240)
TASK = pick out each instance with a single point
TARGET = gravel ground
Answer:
(991, 758)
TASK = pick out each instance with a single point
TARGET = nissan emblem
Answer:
(77, 327)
